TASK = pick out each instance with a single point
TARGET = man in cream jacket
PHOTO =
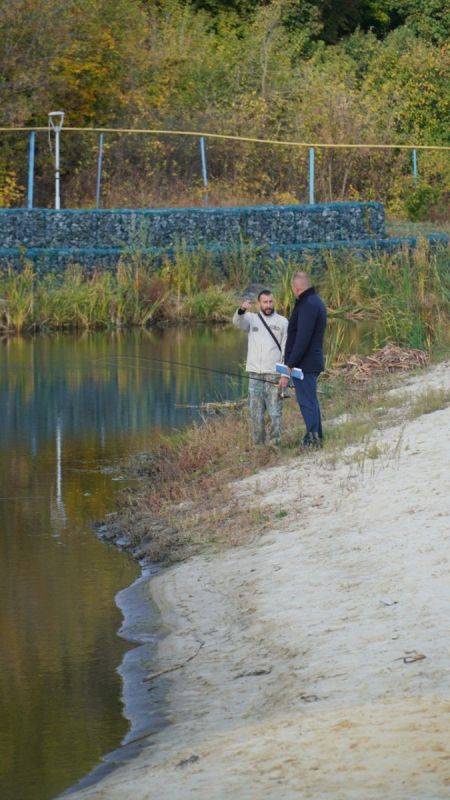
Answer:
(267, 332)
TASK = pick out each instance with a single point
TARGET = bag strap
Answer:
(270, 331)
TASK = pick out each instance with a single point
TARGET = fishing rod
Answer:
(170, 362)
(164, 361)
(153, 365)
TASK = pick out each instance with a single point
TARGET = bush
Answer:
(211, 305)
(421, 200)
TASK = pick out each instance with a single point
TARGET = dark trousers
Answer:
(306, 391)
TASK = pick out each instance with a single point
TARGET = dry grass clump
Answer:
(184, 500)
(428, 402)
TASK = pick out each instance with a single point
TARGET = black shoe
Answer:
(312, 440)
(308, 441)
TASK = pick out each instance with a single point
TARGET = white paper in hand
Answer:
(295, 372)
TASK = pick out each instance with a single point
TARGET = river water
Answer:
(72, 407)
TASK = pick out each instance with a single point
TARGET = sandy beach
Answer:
(314, 662)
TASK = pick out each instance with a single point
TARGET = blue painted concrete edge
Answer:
(268, 249)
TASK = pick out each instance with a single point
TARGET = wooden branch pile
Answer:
(389, 359)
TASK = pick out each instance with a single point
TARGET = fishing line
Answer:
(29, 497)
(158, 368)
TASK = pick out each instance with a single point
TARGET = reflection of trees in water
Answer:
(103, 381)
(35, 480)
(58, 688)
(103, 378)
(58, 624)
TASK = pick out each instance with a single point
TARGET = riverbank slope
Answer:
(315, 659)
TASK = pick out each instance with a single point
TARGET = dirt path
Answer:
(324, 666)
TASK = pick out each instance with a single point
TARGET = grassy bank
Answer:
(408, 295)
(184, 501)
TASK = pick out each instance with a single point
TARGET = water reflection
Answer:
(103, 383)
(59, 693)
(68, 406)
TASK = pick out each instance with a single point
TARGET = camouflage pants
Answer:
(264, 397)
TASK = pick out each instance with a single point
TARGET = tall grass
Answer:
(17, 310)
(406, 294)
(136, 293)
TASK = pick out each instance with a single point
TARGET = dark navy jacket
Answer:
(307, 323)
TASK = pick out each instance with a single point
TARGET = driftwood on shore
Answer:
(389, 359)
(217, 407)
(154, 675)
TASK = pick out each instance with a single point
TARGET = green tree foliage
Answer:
(429, 19)
(316, 70)
(333, 19)
(408, 82)
(86, 55)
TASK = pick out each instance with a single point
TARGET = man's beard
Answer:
(268, 311)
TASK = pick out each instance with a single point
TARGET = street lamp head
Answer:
(56, 120)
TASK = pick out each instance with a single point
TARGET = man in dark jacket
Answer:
(304, 349)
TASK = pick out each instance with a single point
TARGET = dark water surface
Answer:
(72, 406)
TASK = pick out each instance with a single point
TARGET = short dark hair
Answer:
(264, 291)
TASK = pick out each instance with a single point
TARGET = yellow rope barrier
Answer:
(229, 137)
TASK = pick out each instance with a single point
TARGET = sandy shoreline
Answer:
(309, 679)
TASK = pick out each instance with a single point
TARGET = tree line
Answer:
(320, 70)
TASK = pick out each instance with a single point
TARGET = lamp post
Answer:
(31, 153)
(55, 122)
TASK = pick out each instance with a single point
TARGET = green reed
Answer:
(405, 294)
(17, 309)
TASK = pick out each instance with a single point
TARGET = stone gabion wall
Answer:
(163, 227)
(98, 237)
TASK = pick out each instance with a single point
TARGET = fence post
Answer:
(204, 166)
(31, 152)
(311, 175)
(99, 171)
(414, 164)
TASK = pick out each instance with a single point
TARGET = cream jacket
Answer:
(262, 353)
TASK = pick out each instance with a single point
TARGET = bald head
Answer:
(300, 283)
